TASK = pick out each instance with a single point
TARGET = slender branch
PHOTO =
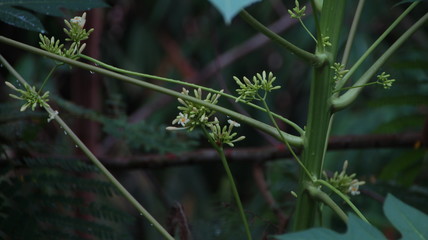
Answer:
(307, 56)
(323, 197)
(138, 74)
(229, 174)
(352, 32)
(93, 158)
(354, 68)
(293, 140)
(347, 98)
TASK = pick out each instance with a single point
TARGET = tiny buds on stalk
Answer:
(339, 71)
(343, 182)
(30, 96)
(191, 114)
(297, 12)
(384, 80)
(248, 90)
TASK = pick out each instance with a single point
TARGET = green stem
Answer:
(348, 98)
(348, 75)
(123, 71)
(307, 56)
(94, 159)
(307, 30)
(345, 198)
(359, 86)
(323, 197)
(352, 32)
(284, 140)
(235, 193)
(293, 140)
(48, 76)
(319, 115)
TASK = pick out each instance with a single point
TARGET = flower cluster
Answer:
(339, 71)
(75, 32)
(347, 184)
(249, 91)
(30, 96)
(383, 79)
(193, 114)
(297, 12)
(224, 135)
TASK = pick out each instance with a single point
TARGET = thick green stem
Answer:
(293, 140)
(94, 159)
(319, 115)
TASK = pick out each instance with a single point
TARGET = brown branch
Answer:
(259, 177)
(259, 154)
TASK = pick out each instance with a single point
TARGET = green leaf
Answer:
(411, 223)
(53, 7)
(357, 229)
(21, 19)
(26, 20)
(229, 8)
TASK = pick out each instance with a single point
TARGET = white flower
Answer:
(181, 119)
(234, 123)
(79, 20)
(353, 188)
(52, 116)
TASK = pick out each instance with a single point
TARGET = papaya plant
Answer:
(333, 88)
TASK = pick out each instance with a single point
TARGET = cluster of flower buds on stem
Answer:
(193, 115)
(343, 182)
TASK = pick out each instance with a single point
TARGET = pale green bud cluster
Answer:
(193, 115)
(75, 32)
(384, 80)
(297, 12)
(30, 96)
(249, 90)
(339, 71)
(343, 182)
(224, 135)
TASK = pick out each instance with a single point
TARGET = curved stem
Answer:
(235, 193)
(293, 140)
(348, 75)
(94, 159)
(120, 70)
(284, 140)
(352, 32)
(307, 30)
(307, 56)
(345, 198)
(347, 98)
(323, 197)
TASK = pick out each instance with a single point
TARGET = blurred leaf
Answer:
(409, 221)
(21, 19)
(229, 8)
(405, 168)
(27, 20)
(357, 229)
(401, 123)
(416, 100)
